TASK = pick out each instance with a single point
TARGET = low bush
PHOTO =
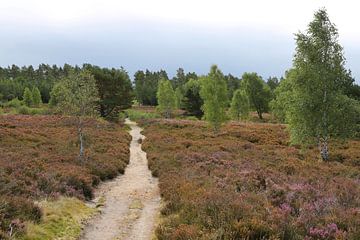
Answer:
(14, 103)
(24, 110)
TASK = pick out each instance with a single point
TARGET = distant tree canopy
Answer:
(320, 109)
(14, 80)
(213, 91)
(257, 91)
(178, 82)
(114, 89)
(233, 83)
(273, 83)
(180, 79)
(113, 85)
(283, 96)
(146, 86)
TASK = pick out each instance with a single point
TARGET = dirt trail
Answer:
(131, 201)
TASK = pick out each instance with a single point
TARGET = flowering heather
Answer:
(39, 159)
(248, 182)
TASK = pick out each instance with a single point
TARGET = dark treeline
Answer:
(113, 85)
(14, 79)
(116, 91)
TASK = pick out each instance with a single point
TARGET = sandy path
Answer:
(131, 201)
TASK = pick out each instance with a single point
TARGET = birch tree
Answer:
(214, 94)
(76, 95)
(166, 98)
(239, 107)
(319, 109)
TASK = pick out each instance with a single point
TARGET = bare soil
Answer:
(130, 202)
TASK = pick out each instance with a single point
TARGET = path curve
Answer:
(132, 200)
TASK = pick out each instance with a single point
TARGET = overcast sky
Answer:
(239, 36)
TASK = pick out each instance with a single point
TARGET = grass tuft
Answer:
(62, 219)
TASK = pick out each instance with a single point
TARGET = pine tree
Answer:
(214, 94)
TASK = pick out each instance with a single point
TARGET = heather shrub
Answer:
(39, 159)
(14, 211)
(247, 182)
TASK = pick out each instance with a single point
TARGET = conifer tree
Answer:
(36, 95)
(28, 97)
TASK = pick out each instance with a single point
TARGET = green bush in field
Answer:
(138, 115)
(29, 111)
(14, 103)
(23, 110)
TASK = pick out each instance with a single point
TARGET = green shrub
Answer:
(37, 111)
(23, 110)
(30, 111)
(139, 115)
(15, 103)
